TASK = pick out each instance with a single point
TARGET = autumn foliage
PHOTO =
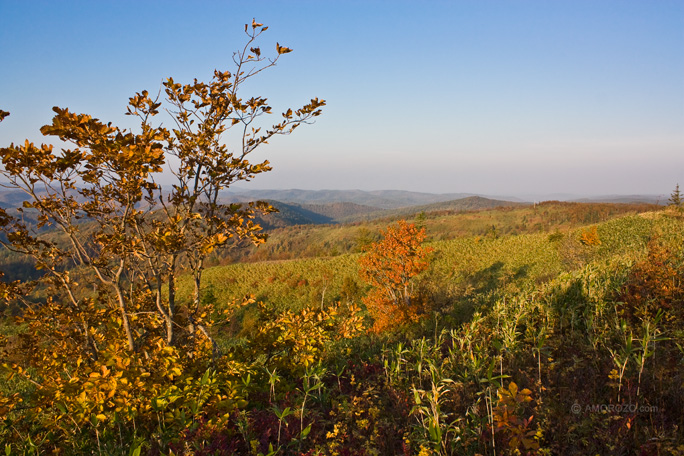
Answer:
(107, 343)
(590, 237)
(389, 267)
(655, 284)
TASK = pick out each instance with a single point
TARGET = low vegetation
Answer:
(538, 344)
(300, 241)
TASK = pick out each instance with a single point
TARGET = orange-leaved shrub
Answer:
(389, 266)
(655, 284)
(590, 237)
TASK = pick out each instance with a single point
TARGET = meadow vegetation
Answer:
(534, 344)
(290, 242)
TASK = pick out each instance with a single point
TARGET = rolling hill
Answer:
(383, 199)
(470, 203)
(345, 212)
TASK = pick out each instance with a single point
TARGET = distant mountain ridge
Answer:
(340, 211)
(382, 199)
(332, 213)
(313, 214)
(307, 207)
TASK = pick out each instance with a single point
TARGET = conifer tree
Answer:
(676, 198)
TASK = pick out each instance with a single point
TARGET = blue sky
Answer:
(493, 97)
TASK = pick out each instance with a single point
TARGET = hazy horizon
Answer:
(489, 97)
(245, 189)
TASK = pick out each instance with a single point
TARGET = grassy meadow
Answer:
(331, 240)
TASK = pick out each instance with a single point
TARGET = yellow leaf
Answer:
(282, 49)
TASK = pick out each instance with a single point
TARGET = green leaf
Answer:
(435, 432)
(284, 414)
(315, 387)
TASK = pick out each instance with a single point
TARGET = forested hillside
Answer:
(383, 199)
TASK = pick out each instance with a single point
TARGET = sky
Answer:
(522, 97)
